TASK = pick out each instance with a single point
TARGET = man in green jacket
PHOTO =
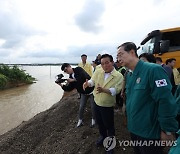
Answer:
(150, 105)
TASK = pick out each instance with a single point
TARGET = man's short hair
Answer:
(128, 46)
(107, 55)
(83, 55)
(95, 62)
(64, 65)
(159, 59)
(170, 60)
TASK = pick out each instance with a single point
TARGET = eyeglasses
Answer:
(119, 55)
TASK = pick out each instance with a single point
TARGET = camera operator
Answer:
(77, 76)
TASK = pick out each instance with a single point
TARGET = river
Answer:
(22, 103)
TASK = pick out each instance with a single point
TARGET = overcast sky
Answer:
(57, 31)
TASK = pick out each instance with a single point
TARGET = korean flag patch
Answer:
(161, 83)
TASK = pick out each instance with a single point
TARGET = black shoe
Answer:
(99, 141)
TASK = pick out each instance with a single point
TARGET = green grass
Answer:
(13, 75)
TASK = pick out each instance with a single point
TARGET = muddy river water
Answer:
(22, 103)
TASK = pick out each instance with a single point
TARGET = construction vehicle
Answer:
(163, 43)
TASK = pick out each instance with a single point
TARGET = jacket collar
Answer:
(138, 67)
(112, 75)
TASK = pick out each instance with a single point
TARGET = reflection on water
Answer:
(22, 103)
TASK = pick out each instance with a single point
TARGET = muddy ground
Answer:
(54, 132)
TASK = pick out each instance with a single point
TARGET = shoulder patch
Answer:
(161, 83)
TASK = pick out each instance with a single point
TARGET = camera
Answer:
(59, 79)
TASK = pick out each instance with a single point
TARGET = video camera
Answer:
(59, 79)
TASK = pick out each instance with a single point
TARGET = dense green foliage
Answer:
(3, 81)
(13, 75)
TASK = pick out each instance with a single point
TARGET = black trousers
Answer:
(119, 101)
(146, 149)
(105, 120)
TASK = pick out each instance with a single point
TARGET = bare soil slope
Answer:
(54, 132)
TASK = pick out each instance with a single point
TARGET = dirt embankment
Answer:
(54, 132)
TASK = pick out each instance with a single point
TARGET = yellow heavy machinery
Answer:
(163, 43)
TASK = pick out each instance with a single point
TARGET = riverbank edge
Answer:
(54, 131)
(14, 85)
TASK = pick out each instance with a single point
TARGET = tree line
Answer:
(13, 75)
